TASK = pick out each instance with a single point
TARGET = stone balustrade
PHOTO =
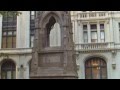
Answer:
(91, 15)
(95, 46)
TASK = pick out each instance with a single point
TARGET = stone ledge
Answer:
(17, 51)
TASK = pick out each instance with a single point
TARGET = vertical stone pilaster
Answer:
(1, 31)
(98, 32)
(89, 33)
(23, 25)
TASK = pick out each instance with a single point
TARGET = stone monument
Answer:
(53, 62)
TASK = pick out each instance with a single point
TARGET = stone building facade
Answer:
(96, 36)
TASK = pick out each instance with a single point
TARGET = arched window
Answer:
(53, 33)
(95, 68)
(8, 70)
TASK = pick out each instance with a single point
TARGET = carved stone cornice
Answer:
(94, 51)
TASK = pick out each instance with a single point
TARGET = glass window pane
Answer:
(10, 33)
(9, 42)
(88, 73)
(104, 73)
(85, 35)
(94, 63)
(3, 76)
(101, 26)
(84, 27)
(93, 26)
(88, 64)
(9, 75)
(96, 72)
(4, 33)
(14, 42)
(14, 39)
(14, 33)
(14, 74)
(103, 63)
(4, 42)
(94, 36)
(102, 35)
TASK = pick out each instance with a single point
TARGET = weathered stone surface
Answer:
(53, 62)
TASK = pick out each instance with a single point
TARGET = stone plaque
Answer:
(50, 60)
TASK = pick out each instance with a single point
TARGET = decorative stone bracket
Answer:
(114, 65)
(77, 55)
(21, 68)
(114, 52)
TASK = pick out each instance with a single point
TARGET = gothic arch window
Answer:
(53, 33)
(8, 70)
(95, 68)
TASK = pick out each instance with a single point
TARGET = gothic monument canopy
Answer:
(53, 52)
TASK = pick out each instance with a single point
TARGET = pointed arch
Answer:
(46, 16)
(53, 33)
(51, 25)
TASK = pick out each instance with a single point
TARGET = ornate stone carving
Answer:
(53, 62)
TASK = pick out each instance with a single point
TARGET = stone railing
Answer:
(92, 15)
(117, 45)
(95, 46)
